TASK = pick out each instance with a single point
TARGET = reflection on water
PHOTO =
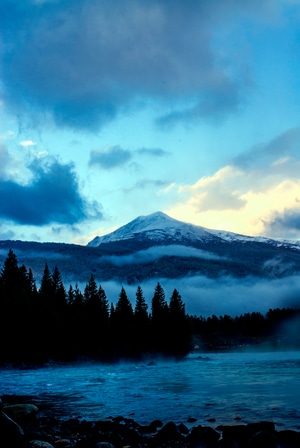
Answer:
(227, 386)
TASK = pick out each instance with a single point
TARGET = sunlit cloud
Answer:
(27, 143)
(229, 201)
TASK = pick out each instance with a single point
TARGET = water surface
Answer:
(227, 387)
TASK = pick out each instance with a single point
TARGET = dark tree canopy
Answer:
(74, 325)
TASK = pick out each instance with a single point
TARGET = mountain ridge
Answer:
(157, 246)
(158, 226)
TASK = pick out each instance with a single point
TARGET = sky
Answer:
(110, 110)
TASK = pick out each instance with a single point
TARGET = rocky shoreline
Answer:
(23, 424)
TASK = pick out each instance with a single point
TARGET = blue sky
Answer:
(111, 109)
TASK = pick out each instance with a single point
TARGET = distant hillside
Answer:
(157, 246)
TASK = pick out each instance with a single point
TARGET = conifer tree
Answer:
(179, 336)
(159, 320)
(105, 337)
(91, 295)
(123, 308)
(141, 307)
(11, 280)
(32, 284)
(91, 318)
(141, 323)
(104, 305)
(46, 290)
(60, 295)
(122, 325)
(77, 322)
(59, 316)
(70, 296)
(15, 307)
(159, 306)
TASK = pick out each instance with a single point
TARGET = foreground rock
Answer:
(22, 426)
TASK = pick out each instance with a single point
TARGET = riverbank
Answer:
(25, 424)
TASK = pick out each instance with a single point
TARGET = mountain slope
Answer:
(160, 228)
(156, 227)
(157, 246)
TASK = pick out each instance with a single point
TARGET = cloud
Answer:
(51, 196)
(4, 159)
(152, 152)
(282, 148)
(115, 156)
(110, 158)
(258, 195)
(144, 184)
(27, 143)
(84, 63)
(286, 222)
(225, 295)
(212, 105)
(151, 254)
(6, 233)
(218, 192)
(277, 266)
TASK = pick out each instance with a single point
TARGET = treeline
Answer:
(49, 322)
(279, 328)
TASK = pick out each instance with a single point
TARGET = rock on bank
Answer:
(22, 425)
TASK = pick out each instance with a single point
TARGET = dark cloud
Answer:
(287, 223)
(116, 156)
(110, 158)
(213, 106)
(153, 152)
(146, 183)
(6, 233)
(4, 159)
(85, 62)
(286, 144)
(52, 196)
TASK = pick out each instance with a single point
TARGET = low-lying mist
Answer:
(225, 295)
(155, 252)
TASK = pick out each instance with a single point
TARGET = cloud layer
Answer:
(225, 295)
(83, 63)
(151, 254)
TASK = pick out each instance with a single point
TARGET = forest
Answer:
(49, 322)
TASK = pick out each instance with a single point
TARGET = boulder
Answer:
(20, 412)
(11, 434)
(263, 439)
(104, 445)
(39, 444)
(289, 438)
(169, 431)
(203, 435)
(235, 435)
(262, 426)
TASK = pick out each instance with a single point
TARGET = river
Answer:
(229, 388)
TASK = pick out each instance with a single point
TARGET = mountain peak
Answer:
(160, 228)
(157, 226)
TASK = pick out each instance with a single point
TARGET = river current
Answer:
(228, 388)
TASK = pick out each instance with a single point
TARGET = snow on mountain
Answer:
(160, 227)
(157, 226)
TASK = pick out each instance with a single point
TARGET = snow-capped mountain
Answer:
(159, 227)
(158, 246)
(156, 227)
